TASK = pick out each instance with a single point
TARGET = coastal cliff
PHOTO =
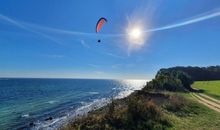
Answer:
(164, 103)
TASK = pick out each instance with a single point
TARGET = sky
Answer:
(54, 39)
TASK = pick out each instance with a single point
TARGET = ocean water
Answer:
(24, 102)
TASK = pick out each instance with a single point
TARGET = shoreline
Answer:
(60, 122)
(94, 109)
(157, 98)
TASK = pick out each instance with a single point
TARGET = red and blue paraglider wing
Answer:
(100, 23)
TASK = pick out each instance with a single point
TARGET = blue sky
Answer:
(48, 38)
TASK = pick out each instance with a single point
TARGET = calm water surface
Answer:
(25, 101)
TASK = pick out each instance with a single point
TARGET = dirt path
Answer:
(208, 101)
(210, 98)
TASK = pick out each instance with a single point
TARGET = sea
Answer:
(47, 104)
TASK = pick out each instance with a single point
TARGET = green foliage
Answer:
(200, 73)
(144, 114)
(170, 80)
(138, 114)
(165, 83)
(175, 103)
(180, 106)
(176, 74)
(192, 115)
(111, 109)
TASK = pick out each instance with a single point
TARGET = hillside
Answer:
(164, 103)
(199, 73)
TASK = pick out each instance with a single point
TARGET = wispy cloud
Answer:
(93, 65)
(30, 27)
(116, 66)
(53, 56)
(99, 72)
(24, 27)
(199, 18)
(202, 17)
(115, 56)
(130, 65)
(84, 44)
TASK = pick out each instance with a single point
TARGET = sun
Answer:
(135, 35)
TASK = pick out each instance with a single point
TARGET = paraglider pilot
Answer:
(99, 25)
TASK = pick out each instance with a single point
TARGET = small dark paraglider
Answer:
(99, 25)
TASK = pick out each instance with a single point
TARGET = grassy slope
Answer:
(199, 118)
(193, 116)
(211, 88)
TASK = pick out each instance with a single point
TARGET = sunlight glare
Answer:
(135, 35)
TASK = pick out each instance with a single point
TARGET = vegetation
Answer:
(178, 105)
(193, 116)
(162, 104)
(170, 80)
(200, 73)
(139, 113)
(177, 111)
(211, 88)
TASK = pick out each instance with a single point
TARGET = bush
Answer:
(165, 83)
(181, 106)
(170, 80)
(144, 114)
(139, 113)
(176, 103)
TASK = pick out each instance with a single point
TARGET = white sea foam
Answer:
(58, 122)
(25, 115)
(52, 102)
(127, 87)
(93, 93)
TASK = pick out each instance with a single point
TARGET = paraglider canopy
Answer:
(100, 23)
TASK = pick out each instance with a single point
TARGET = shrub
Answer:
(170, 80)
(165, 83)
(139, 113)
(181, 106)
(176, 103)
(185, 79)
(144, 114)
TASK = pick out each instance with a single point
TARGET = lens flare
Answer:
(136, 36)
(135, 33)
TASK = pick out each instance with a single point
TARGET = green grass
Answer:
(211, 88)
(190, 116)
(200, 117)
